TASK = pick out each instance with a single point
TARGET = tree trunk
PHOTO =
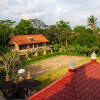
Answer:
(66, 43)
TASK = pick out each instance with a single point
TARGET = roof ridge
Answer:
(84, 65)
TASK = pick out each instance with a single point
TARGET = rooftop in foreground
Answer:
(81, 83)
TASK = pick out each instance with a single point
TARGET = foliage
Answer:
(53, 34)
(24, 27)
(8, 22)
(92, 22)
(56, 47)
(11, 62)
(80, 29)
(2, 74)
(82, 50)
(5, 32)
(64, 32)
(63, 48)
(38, 23)
(85, 39)
(62, 25)
(64, 36)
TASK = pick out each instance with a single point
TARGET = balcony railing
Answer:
(34, 49)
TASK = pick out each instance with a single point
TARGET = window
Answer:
(35, 45)
(31, 45)
(25, 46)
(12, 46)
(40, 44)
(48, 44)
(21, 47)
(31, 38)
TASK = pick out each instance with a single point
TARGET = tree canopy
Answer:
(80, 29)
(24, 27)
(8, 22)
(92, 21)
(62, 25)
(5, 31)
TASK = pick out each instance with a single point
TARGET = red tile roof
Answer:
(83, 84)
(23, 39)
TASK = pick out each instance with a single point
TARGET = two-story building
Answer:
(32, 43)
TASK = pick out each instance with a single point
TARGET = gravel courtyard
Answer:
(52, 64)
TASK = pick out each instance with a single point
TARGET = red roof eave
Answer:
(34, 97)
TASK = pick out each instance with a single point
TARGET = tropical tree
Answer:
(63, 37)
(62, 25)
(85, 39)
(8, 22)
(64, 31)
(53, 32)
(11, 62)
(5, 32)
(38, 23)
(24, 27)
(92, 21)
(79, 29)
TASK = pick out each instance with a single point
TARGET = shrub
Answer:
(56, 47)
(80, 50)
(85, 39)
(63, 48)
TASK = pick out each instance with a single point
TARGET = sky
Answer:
(50, 11)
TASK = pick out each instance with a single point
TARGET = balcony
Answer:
(35, 49)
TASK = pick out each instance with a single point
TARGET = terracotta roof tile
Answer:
(23, 39)
(57, 91)
(83, 84)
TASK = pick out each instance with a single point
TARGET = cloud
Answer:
(76, 12)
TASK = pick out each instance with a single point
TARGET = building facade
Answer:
(29, 43)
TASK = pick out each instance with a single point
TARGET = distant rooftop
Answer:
(28, 39)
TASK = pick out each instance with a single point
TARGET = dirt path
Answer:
(51, 64)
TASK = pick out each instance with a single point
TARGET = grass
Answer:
(51, 76)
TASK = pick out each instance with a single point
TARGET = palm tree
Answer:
(92, 22)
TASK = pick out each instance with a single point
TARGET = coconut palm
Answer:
(92, 22)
